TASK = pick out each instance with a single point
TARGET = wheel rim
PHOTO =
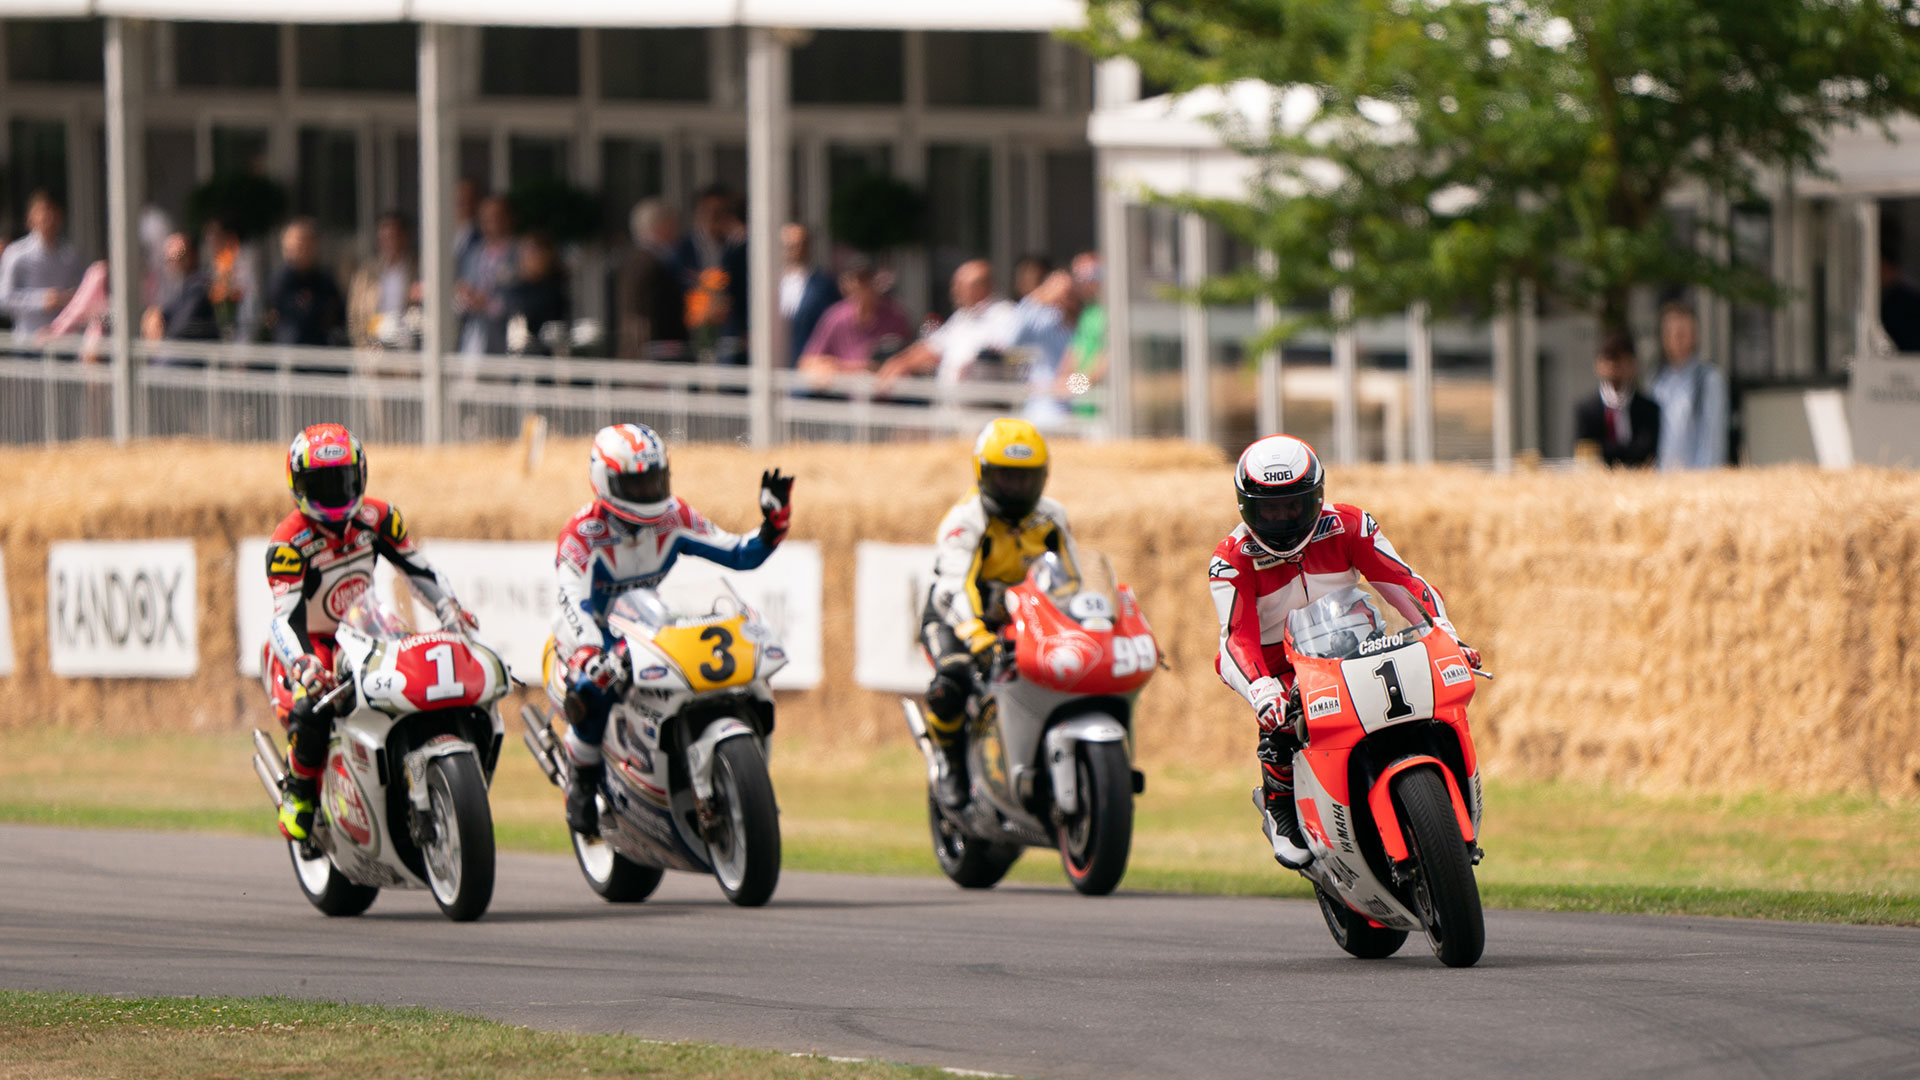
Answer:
(1422, 898)
(728, 851)
(314, 874)
(1078, 833)
(596, 857)
(443, 851)
(949, 843)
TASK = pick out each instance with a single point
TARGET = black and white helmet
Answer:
(1281, 488)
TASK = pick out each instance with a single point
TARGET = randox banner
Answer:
(509, 587)
(890, 583)
(122, 609)
(6, 624)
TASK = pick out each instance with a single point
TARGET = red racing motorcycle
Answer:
(1048, 737)
(1385, 781)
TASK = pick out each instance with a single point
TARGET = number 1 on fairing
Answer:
(445, 684)
(1389, 675)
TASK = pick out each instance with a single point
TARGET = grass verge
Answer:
(1549, 846)
(81, 1037)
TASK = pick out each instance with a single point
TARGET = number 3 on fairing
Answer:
(722, 666)
(1389, 675)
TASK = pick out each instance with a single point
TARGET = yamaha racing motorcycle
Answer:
(403, 796)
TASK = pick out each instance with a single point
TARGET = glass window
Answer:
(529, 61)
(247, 55)
(54, 50)
(357, 56)
(630, 170)
(959, 211)
(476, 161)
(406, 175)
(983, 70)
(1751, 347)
(329, 187)
(170, 168)
(238, 149)
(38, 162)
(730, 167)
(653, 65)
(1070, 202)
(538, 157)
(850, 67)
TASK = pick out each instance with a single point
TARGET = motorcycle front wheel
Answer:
(1352, 932)
(459, 856)
(968, 862)
(1095, 841)
(326, 888)
(1445, 895)
(745, 848)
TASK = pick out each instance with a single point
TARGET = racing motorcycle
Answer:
(1048, 733)
(403, 796)
(685, 785)
(1385, 778)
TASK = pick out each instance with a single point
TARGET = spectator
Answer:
(731, 347)
(486, 274)
(466, 196)
(856, 330)
(1085, 365)
(1899, 305)
(385, 286)
(538, 301)
(979, 321)
(1028, 273)
(1692, 395)
(806, 292)
(1621, 422)
(234, 281)
(183, 310)
(716, 228)
(1041, 332)
(306, 305)
(39, 272)
(651, 294)
(86, 311)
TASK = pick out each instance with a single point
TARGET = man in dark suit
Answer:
(1622, 423)
(651, 293)
(806, 292)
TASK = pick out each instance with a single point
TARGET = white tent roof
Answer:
(824, 14)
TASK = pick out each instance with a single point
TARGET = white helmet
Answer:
(630, 475)
(1281, 488)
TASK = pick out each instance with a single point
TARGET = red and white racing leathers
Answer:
(1254, 591)
(316, 574)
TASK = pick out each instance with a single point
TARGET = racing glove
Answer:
(453, 616)
(776, 507)
(1472, 654)
(309, 676)
(1270, 701)
(594, 667)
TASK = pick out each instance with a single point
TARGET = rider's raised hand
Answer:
(776, 506)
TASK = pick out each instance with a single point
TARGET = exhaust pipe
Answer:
(539, 740)
(266, 765)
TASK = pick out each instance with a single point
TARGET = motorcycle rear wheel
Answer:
(459, 858)
(1095, 842)
(1352, 932)
(326, 888)
(1445, 895)
(613, 877)
(746, 861)
(968, 862)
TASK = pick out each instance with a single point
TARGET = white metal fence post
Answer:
(437, 148)
(125, 133)
(768, 137)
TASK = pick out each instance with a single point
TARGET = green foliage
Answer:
(568, 213)
(875, 213)
(251, 203)
(1456, 148)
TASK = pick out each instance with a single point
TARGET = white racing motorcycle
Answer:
(686, 785)
(403, 796)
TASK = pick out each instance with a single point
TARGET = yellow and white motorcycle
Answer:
(686, 785)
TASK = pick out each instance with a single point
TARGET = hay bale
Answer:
(1725, 632)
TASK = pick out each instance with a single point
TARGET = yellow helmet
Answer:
(1010, 468)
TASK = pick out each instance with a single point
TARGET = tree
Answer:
(1448, 150)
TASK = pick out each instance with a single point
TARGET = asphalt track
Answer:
(1025, 980)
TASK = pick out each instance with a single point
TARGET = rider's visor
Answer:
(335, 487)
(1013, 492)
(651, 486)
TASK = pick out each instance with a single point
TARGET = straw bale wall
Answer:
(1724, 632)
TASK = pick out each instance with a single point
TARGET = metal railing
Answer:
(57, 392)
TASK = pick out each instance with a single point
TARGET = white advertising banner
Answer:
(890, 583)
(122, 609)
(509, 587)
(6, 624)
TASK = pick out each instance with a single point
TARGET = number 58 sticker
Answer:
(1132, 655)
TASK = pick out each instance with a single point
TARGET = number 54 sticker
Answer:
(1132, 655)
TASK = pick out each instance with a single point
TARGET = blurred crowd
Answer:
(676, 293)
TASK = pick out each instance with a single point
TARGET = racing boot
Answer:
(1279, 817)
(583, 809)
(296, 808)
(953, 788)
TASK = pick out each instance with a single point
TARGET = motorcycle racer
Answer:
(1292, 548)
(986, 542)
(629, 538)
(319, 561)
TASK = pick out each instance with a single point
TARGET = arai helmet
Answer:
(327, 473)
(630, 478)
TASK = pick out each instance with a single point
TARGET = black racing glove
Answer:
(776, 507)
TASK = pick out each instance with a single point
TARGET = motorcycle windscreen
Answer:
(1086, 593)
(1351, 622)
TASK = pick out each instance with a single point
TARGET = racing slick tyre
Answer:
(459, 855)
(611, 875)
(326, 888)
(1444, 893)
(968, 862)
(1352, 932)
(745, 846)
(1094, 842)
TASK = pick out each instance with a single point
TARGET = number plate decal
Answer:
(713, 656)
(1390, 687)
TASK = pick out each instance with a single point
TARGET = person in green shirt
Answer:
(1085, 364)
